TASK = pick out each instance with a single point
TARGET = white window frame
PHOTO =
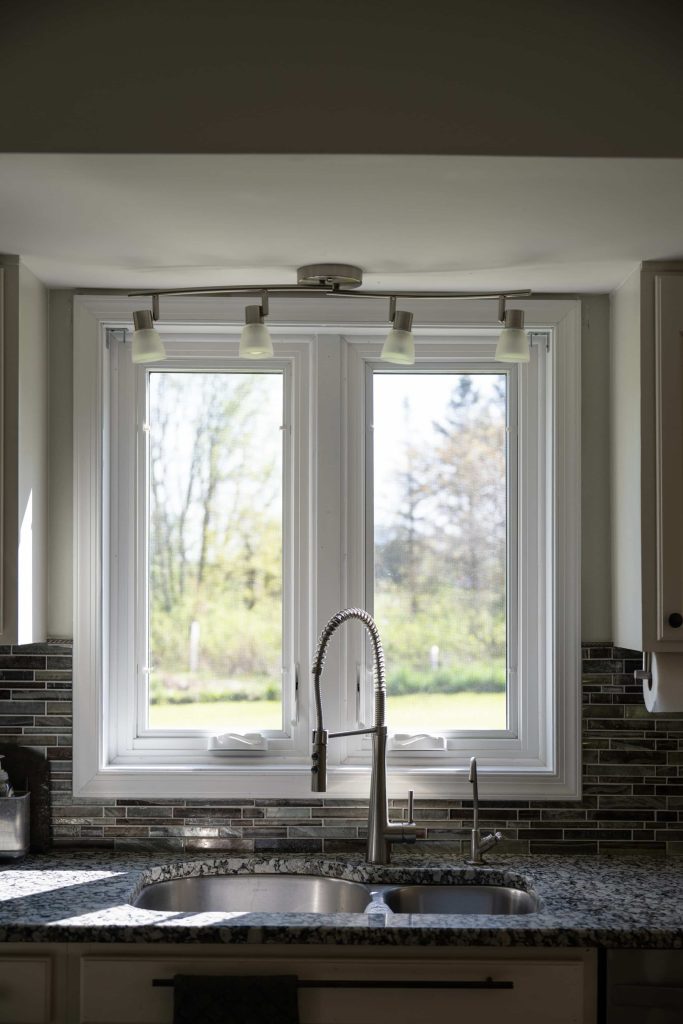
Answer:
(130, 742)
(459, 355)
(553, 772)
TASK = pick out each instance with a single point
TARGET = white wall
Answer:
(60, 460)
(32, 464)
(24, 454)
(596, 615)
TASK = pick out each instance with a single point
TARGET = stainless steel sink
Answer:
(256, 894)
(459, 899)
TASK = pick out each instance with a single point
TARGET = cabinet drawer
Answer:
(119, 990)
(25, 990)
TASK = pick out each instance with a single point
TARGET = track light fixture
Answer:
(513, 343)
(399, 346)
(336, 280)
(255, 341)
(147, 344)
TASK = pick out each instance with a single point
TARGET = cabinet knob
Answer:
(676, 620)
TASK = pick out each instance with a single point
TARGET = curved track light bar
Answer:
(340, 280)
(292, 290)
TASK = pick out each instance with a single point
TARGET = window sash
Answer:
(127, 442)
(525, 741)
(453, 365)
(142, 499)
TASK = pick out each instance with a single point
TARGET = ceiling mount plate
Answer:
(340, 275)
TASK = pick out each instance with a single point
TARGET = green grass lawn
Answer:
(413, 712)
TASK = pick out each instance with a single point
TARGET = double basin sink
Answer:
(306, 894)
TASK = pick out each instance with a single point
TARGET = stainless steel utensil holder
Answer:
(14, 825)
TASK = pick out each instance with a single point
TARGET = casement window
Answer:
(226, 508)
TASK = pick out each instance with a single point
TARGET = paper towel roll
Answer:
(664, 692)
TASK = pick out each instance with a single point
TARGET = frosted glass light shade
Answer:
(399, 346)
(147, 344)
(513, 346)
(513, 343)
(255, 342)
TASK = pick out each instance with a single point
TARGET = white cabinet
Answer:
(32, 987)
(120, 985)
(647, 459)
(23, 453)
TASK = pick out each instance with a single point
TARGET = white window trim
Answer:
(362, 358)
(132, 743)
(94, 777)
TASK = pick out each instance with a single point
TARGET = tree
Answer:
(215, 520)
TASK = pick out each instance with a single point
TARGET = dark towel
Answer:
(216, 999)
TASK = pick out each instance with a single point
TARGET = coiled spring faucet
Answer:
(381, 831)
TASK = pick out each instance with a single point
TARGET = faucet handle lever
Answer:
(411, 807)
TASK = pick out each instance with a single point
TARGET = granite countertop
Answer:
(85, 896)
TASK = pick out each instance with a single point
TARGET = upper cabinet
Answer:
(23, 450)
(647, 459)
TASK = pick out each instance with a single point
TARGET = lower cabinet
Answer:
(32, 984)
(132, 984)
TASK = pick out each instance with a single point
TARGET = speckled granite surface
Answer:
(84, 896)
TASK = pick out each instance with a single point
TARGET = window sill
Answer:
(182, 781)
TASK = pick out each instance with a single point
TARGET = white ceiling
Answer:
(550, 224)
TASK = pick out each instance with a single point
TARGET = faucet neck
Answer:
(378, 848)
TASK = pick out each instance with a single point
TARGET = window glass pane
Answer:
(215, 550)
(440, 500)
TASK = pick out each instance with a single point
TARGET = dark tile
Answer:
(265, 831)
(22, 707)
(630, 803)
(221, 813)
(288, 845)
(333, 832)
(333, 847)
(150, 845)
(602, 666)
(74, 810)
(626, 757)
(536, 833)
(23, 661)
(656, 849)
(563, 847)
(57, 661)
(225, 845)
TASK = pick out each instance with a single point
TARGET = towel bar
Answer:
(486, 983)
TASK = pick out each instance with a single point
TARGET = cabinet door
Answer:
(26, 990)
(119, 989)
(669, 456)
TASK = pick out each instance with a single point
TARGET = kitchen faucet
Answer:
(381, 831)
(478, 845)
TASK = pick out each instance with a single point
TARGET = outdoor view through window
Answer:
(440, 548)
(215, 548)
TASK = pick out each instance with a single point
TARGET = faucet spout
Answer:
(381, 831)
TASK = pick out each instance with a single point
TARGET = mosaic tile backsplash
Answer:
(632, 792)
